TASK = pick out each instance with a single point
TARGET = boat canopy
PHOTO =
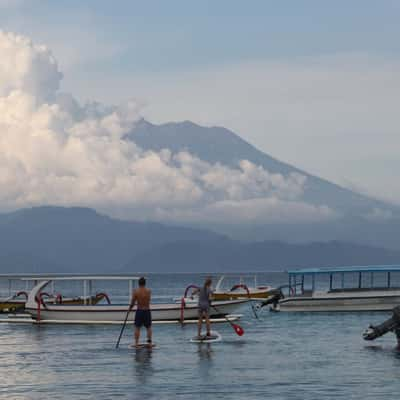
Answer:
(298, 278)
(368, 268)
(67, 277)
(21, 278)
(42, 281)
(240, 277)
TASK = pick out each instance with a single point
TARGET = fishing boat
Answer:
(241, 289)
(14, 292)
(14, 303)
(369, 288)
(16, 299)
(114, 313)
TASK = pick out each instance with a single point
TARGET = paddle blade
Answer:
(238, 329)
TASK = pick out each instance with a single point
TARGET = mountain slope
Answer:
(360, 219)
(217, 144)
(228, 255)
(79, 239)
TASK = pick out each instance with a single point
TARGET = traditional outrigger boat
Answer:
(14, 303)
(114, 313)
(370, 288)
(16, 299)
(241, 289)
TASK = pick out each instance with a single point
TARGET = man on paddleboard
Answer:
(142, 296)
(204, 307)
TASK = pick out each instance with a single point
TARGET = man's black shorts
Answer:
(143, 317)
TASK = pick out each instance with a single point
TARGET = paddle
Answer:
(123, 327)
(237, 328)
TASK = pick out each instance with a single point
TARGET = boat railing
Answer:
(363, 289)
(344, 279)
(228, 281)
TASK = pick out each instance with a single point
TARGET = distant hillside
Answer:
(79, 239)
(56, 239)
(228, 255)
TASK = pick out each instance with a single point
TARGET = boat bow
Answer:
(33, 294)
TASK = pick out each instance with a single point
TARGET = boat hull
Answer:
(12, 306)
(383, 301)
(117, 313)
(232, 295)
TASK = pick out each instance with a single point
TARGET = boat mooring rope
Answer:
(40, 302)
(22, 293)
(182, 318)
(183, 303)
(103, 296)
(243, 286)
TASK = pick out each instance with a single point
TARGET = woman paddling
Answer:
(204, 307)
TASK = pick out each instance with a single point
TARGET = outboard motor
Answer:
(273, 300)
(390, 325)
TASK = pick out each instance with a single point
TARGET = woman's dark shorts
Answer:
(143, 317)
(204, 309)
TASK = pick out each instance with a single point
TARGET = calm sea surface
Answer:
(281, 356)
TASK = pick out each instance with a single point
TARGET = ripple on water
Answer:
(281, 356)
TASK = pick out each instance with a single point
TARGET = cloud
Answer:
(11, 3)
(27, 68)
(55, 151)
(377, 214)
(325, 114)
(255, 211)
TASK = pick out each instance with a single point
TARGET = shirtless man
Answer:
(142, 297)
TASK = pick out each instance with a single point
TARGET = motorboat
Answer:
(114, 313)
(368, 288)
(241, 288)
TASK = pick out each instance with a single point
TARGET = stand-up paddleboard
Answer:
(215, 337)
(142, 346)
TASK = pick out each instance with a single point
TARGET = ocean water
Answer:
(280, 356)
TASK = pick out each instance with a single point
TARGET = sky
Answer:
(315, 84)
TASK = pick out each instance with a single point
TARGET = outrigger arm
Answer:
(390, 325)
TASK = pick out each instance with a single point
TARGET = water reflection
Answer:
(289, 356)
(143, 364)
(392, 351)
(204, 351)
(205, 364)
(396, 351)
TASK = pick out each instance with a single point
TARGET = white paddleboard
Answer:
(215, 337)
(142, 346)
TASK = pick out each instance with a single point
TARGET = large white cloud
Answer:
(27, 68)
(55, 151)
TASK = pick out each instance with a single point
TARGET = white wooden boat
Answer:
(16, 299)
(115, 313)
(371, 288)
